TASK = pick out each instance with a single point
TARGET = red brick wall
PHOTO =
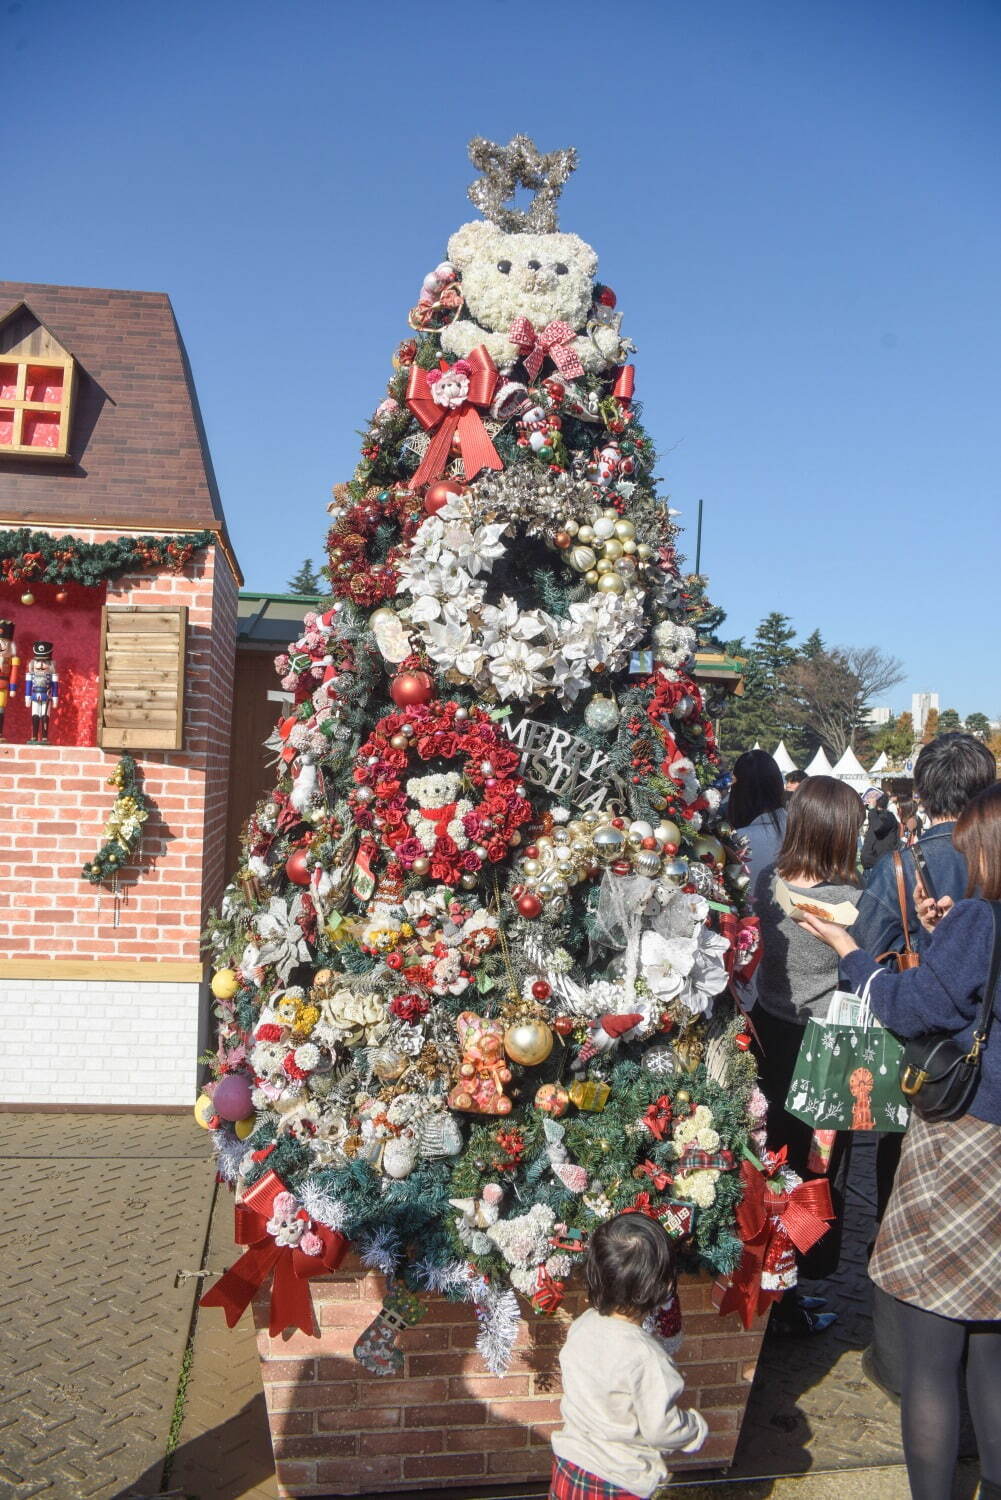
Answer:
(336, 1429)
(54, 801)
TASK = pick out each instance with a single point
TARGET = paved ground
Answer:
(101, 1213)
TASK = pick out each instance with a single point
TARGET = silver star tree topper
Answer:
(519, 164)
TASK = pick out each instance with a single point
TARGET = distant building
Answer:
(921, 706)
(877, 717)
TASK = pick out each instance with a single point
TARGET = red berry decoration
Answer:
(606, 297)
(541, 990)
(441, 492)
(529, 905)
(411, 688)
(296, 868)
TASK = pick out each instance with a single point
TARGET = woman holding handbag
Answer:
(939, 1246)
(796, 980)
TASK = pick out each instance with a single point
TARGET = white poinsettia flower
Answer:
(569, 679)
(665, 963)
(516, 669)
(484, 548)
(283, 943)
(708, 977)
(451, 643)
(424, 609)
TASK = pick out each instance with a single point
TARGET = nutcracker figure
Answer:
(9, 664)
(41, 689)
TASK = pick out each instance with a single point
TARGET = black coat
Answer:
(882, 836)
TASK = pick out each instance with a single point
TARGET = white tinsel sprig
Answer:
(380, 1249)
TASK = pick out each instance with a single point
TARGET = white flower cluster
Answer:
(501, 650)
(524, 1244)
(698, 1185)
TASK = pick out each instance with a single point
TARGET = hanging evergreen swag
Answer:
(36, 557)
(124, 828)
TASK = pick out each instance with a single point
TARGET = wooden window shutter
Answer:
(141, 688)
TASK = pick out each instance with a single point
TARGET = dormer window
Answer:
(36, 389)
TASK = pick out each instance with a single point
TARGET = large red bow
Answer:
(658, 1117)
(291, 1305)
(464, 421)
(555, 341)
(802, 1216)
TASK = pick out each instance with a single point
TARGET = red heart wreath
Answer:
(446, 731)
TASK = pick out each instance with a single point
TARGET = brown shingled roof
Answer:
(138, 453)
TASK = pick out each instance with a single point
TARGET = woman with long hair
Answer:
(938, 1251)
(796, 980)
(757, 808)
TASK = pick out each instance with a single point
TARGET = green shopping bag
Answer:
(846, 1075)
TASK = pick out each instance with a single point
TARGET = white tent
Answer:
(850, 769)
(782, 758)
(820, 765)
(879, 765)
(756, 745)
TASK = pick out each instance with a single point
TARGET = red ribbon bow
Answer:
(464, 421)
(548, 1293)
(555, 342)
(644, 1204)
(696, 1159)
(291, 1305)
(802, 1214)
(657, 1175)
(658, 1117)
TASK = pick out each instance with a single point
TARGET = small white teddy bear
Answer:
(543, 277)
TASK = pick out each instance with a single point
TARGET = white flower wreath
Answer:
(501, 650)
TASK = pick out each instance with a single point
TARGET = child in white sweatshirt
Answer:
(620, 1386)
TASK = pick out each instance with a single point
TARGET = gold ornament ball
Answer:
(609, 843)
(612, 549)
(629, 547)
(528, 1042)
(604, 566)
(644, 552)
(381, 617)
(611, 583)
(625, 530)
(591, 577)
(245, 1128)
(27, 597)
(204, 1111)
(582, 558)
(646, 862)
(706, 846)
(668, 832)
(585, 534)
(225, 983)
(421, 865)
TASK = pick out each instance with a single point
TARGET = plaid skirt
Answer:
(569, 1482)
(939, 1246)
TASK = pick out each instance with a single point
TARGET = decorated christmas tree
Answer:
(473, 975)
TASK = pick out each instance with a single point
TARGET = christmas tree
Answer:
(472, 977)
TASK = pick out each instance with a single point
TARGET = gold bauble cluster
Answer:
(604, 550)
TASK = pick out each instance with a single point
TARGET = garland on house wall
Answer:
(37, 557)
(123, 831)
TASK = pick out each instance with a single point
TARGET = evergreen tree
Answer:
(949, 721)
(813, 646)
(469, 952)
(978, 724)
(306, 582)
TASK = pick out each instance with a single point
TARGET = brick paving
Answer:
(103, 1210)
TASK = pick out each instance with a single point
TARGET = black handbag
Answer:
(936, 1075)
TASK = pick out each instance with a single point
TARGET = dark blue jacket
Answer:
(877, 928)
(943, 994)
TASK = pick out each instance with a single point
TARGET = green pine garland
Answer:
(125, 824)
(37, 557)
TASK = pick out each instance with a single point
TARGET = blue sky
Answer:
(797, 204)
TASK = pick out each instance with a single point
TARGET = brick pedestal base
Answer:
(338, 1430)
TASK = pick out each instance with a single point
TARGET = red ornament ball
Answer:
(529, 905)
(563, 1025)
(411, 688)
(648, 843)
(296, 869)
(61, 596)
(743, 1040)
(606, 297)
(541, 989)
(441, 492)
(531, 851)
